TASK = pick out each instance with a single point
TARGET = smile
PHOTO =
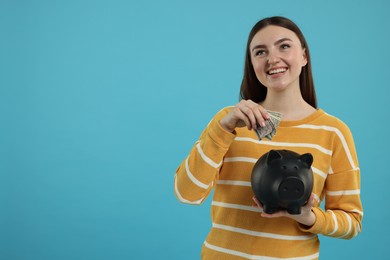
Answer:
(275, 71)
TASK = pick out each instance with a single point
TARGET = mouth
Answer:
(276, 71)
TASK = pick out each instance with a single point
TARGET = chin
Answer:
(278, 87)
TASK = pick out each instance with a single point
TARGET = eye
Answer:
(260, 52)
(285, 46)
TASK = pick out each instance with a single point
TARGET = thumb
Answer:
(311, 200)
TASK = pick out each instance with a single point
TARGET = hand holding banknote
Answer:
(271, 124)
(253, 116)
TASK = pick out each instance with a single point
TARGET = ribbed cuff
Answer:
(318, 224)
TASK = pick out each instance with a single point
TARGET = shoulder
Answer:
(223, 112)
(333, 121)
(219, 115)
(343, 143)
(337, 126)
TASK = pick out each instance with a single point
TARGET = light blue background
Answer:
(101, 100)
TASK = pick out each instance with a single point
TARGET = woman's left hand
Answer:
(306, 217)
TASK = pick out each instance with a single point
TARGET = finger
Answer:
(310, 202)
(311, 199)
(264, 112)
(260, 118)
(243, 117)
(249, 113)
(239, 117)
(245, 114)
(260, 113)
(257, 202)
(277, 214)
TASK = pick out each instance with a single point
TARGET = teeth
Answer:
(277, 71)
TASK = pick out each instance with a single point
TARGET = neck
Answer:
(289, 102)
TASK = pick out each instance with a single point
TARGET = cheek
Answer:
(298, 58)
(259, 72)
(258, 68)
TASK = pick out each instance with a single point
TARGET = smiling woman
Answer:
(277, 57)
(286, 35)
(277, 77)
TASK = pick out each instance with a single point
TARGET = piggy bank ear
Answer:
(273, 155)
(306, 158)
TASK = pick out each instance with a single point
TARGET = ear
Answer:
(306, 158)
(273, 155)
(304, 57)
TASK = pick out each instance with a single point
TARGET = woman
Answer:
(277, 77)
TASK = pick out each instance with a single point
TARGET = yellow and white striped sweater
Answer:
(224, 161)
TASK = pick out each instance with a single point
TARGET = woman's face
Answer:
(277, 57)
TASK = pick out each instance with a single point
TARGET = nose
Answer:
(273, 58)
(292, 188)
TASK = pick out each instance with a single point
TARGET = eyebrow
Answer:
(276, 43)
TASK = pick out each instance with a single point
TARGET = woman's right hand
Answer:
(246, 113)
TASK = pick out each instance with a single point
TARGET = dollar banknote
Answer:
(271, 124)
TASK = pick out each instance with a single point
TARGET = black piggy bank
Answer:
(283, 179)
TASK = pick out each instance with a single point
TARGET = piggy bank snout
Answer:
(291, 188)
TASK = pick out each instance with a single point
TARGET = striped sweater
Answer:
(223, 161)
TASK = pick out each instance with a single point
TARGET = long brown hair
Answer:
(251, 88)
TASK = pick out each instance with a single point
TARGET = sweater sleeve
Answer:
(342, 217)
(197, 174)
